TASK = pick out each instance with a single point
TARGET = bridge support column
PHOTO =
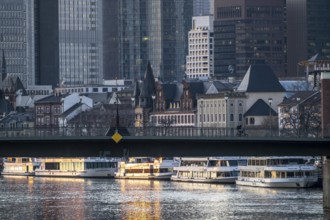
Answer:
(326, 186)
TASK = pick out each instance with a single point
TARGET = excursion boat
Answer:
(282, 172)
(19, 166)
(77, 167)
(146, 168)
(208, 169)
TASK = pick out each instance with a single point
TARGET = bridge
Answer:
(134, 146)
(168, 145)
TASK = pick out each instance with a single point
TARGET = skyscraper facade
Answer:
(203, 7)
(155, 31)
(248, 32)
(70, 42)
(17, 39)
(80, 42)
(308, 32)
(200, 51)
(132, 38)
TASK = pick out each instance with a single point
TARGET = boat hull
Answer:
(204, 180)
(101, 173)
(166, 176)
(4, 173)
(278, 183)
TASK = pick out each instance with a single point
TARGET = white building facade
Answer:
(200, 50)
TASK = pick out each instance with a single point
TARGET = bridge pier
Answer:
(326, 186)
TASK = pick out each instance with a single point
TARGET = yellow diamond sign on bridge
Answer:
(116, 137)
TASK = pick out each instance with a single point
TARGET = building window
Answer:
(231, 117)
(240, 117)
(251, 121)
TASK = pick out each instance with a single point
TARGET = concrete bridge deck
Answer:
(161, 146)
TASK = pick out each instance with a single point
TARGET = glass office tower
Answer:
(80, 42)
(17, 39)
(155, 31)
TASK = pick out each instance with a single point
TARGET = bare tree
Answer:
(304, 121)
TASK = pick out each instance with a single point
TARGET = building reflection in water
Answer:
(143, 199)
(54, 203)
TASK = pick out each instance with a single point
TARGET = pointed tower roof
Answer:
(260, 78)
(149, 82)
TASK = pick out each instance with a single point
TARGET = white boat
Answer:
(208, 169)
(284, 172)
(146, 168)
(77, 167)
(19, 166)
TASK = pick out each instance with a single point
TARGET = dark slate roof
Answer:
(13, 83)
(149, 82)
(5, 106)
(170, 90)
(220, 86)
(292, 100)
(72, 109)
(260, 108)
(260, 78)
(98, 97)
(196, 88)
(50, 99)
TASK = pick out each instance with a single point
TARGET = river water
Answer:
(70, 198)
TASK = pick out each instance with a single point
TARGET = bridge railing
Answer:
(153, 131)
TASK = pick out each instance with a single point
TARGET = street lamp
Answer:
(153, 120)
(80, 126)
(270, 100)
(226, 99)
(298, 116)
(202, 114)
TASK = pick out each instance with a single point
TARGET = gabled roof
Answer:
(260, 78)
(13, 83)
(49, 99)
(299, 97)
(259, 108)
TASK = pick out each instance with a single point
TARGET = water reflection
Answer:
(143, 199)
(69, 198)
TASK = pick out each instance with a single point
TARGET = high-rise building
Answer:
(132, 38)
(70, 40)
(110, 39)
(308, 32)
(203, 7)
(248, 32)
(17, 39)
(200, 51)
(155, 31)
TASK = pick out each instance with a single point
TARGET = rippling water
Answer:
(65, 198)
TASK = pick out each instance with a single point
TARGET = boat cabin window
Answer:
(52, 166)
(193, 163)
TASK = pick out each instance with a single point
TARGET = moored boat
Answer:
(77, 167)
(20, 166)
(146, 168)
(281, 172)
(208, 169)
